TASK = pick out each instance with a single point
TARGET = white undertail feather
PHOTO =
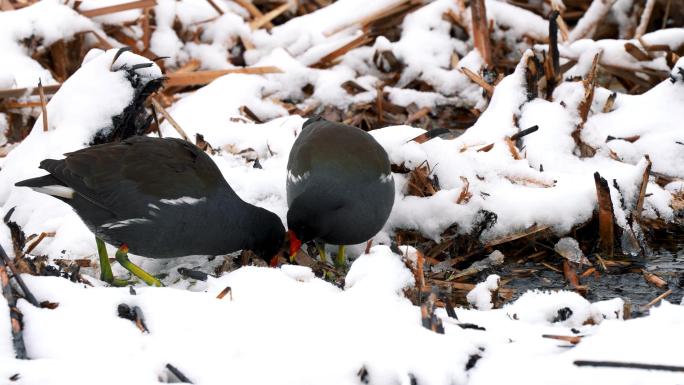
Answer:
(56, 191)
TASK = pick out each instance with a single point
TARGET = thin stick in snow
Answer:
(215, 6)
(328, 60)
(552, 62)
(267, 17)
(168, 117)
(571, 339)
(178, 374)
(628, 365)
(477, 79)
(43, 105)
(118, 8)
(658, 298)
(227, 291)
(15, 314)
(197, 78)
(27, 293)
(253, 10)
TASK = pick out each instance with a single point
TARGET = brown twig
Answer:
(636, 52)
(389, 10)
(172, 122)
(475, 78)
(552, 62)
(654, 279)
(206, 77)
(328, 60)
(657, 299)
(267, 17)
(571, 339)
(118, 8)
(379, 99)
(21, 92)
(227, 291)
(253, 10)
(481, 31)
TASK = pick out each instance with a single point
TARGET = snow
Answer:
(47, 20)
(286, 318)
(481, 296)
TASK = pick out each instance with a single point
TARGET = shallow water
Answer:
(628, 283)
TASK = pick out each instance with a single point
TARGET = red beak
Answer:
(295, 244)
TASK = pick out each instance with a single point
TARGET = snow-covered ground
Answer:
(282, 326)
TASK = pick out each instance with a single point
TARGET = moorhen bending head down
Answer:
(160, 198)
(340, 188)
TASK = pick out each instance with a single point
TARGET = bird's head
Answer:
(303, 227)
(269, 239)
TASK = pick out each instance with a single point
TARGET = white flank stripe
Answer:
(386, 178)
(125, 222)
(183, 201)
(297, 178)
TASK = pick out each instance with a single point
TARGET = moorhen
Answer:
(340, 188)
(158, 198)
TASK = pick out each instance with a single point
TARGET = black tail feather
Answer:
(41, 181)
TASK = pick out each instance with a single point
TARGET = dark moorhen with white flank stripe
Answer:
(160, 198)
(340, 188)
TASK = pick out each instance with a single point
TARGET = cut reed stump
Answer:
(605, 215)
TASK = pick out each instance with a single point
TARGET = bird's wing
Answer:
(129, 177)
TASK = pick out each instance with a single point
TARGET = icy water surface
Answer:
(628, 283)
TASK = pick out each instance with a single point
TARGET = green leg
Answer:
(341, 259)
(321, 252)
(105, 267)
(122, 258)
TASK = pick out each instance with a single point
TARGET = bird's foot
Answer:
(122, 258)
